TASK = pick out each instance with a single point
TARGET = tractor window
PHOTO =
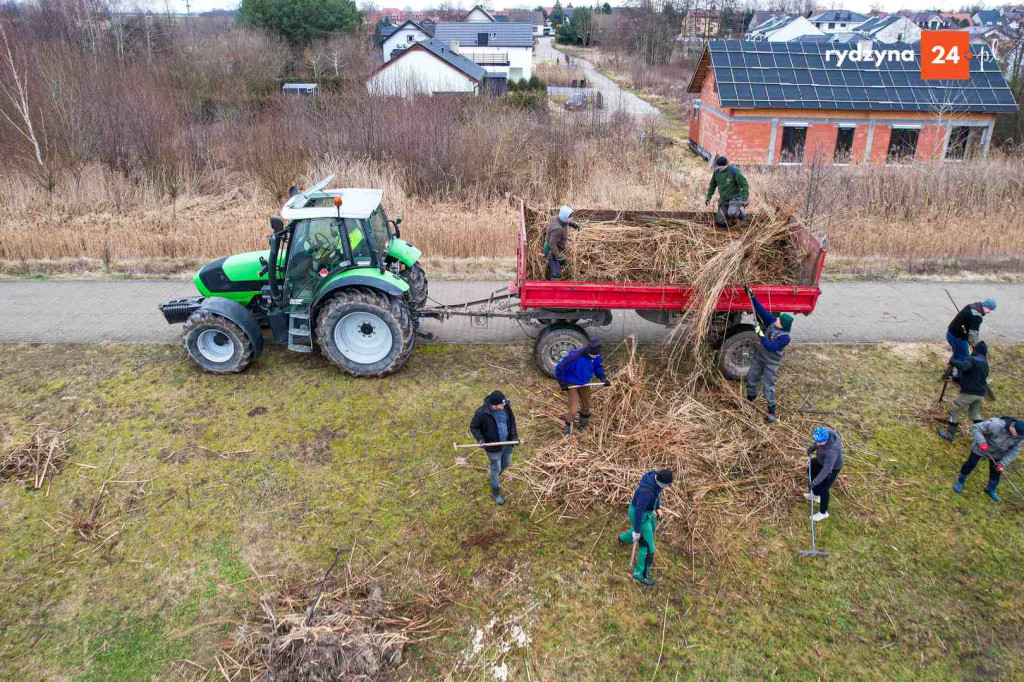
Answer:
(379, 229)
(362, 253)
(317, 245)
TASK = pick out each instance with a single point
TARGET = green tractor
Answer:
(343, 280)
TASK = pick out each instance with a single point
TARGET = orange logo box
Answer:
(945, 55)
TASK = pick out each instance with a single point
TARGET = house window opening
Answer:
(794, 139)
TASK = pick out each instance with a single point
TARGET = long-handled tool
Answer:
(1004, 474)
(632, 554)
(596, 383)
(489, 445)
(813, 551)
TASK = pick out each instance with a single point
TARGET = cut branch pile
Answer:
(723, 455)
(37, 459)
(353, 633)
(668, 250)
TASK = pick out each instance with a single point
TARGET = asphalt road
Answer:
(614, 97)
(847, 312)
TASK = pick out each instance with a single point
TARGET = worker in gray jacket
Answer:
(556, 241)
(999, 441)
(826, 455)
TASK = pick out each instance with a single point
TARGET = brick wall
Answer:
(709, 92)
(747, 142)
(880, 145)
(860, 141)
(929, 142)
(713, 132)
(821, 142)
(694, 132)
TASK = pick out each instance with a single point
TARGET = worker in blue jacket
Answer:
(574, 372)
(774, 333)
(644, 513)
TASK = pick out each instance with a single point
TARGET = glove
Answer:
(758, 330)
(636, 536)
(749, 292)
(480, 443)
(660, 513)
(1000, 468)
(811, 450)
(983, 447)
(576, 225)
(561, 261)
(607, 383)
(565, 386)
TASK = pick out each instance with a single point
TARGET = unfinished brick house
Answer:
(764, 103)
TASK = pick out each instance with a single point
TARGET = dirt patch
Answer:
(319, 450)
(483, 539)
(257, 411)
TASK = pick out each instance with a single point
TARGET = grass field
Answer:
(236, 483)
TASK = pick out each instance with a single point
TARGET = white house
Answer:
(932, 21)
(783, 29)
(837, 21)
(505, 49)
(478, 14)
(405, 35)
(894, 28)
(427, 67)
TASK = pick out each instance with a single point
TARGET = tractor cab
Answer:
(343, 280)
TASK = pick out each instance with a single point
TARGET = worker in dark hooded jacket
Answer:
(733, 192)
(574, 372)
(494, 422)
(973, 387)
(774, 333)
(644, 513)
(965, 329)
(556, 241)
(826, 455)
(997, 440)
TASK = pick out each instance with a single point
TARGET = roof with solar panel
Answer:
(800, 75)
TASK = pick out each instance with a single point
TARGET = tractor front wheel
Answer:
(365, 332)
(217, 344)
(416, 278)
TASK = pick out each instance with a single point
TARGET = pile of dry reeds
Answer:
(670, 250)
(724, 456)
(37, 459)
(308, 633)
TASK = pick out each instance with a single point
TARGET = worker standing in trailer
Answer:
(574, 372)
(733, 192)
(556, 241)
(494, 422)
(826, 453)
(965, 329)
(998, 440)
(973, 387)
(774, 333)
(644, 513)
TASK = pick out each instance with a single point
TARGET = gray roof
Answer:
(499, 35)
(442, 50)
(838, 15)
(800, 75)
(387, 32)
(989, 16)
(875, 24)
(809, 39)
(761, 17)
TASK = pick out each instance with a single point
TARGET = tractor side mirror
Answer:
(398, 231)
(292, 191)
(276, 224)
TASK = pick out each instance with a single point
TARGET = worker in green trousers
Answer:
(644, 512)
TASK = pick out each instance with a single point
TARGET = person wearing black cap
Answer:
(997, 440)
(973, 387)
(574, 372)
(644, 513)
(733, 192)
(494, 422)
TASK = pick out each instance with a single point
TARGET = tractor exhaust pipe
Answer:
(276, 227)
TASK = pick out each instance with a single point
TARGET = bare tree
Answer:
(16, 95)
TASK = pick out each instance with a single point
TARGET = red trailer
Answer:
(564, 310)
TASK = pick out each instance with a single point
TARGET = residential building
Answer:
(429, 67)
(501, 48)
(766, 103)
(953, 19)
(701, 23)
(784, 28)
(479, 14)
(931, 21)
(403, 36)
(837, 20)
(1000, 40)
(892, 29)
(762, 16)
(393, 14)
(988, 17)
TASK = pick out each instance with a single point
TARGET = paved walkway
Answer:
(615, 98)
(848, 312)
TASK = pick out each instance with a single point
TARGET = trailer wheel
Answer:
(737, 352)
(555, 342)
(217, 344)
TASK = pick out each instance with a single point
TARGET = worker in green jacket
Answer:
(733, 192)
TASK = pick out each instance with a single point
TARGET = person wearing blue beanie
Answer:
(826, 455)
(964, 333)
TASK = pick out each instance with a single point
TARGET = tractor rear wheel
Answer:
(365, 332)
(416, 278)
(555, 342)
(217, 344)
(738, 351)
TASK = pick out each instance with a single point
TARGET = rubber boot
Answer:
(958, 487)
(496, 495)
(646, 580)
(568, 429)
(948, 433)
(770, 418)
(584, 420)
(990, 490)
